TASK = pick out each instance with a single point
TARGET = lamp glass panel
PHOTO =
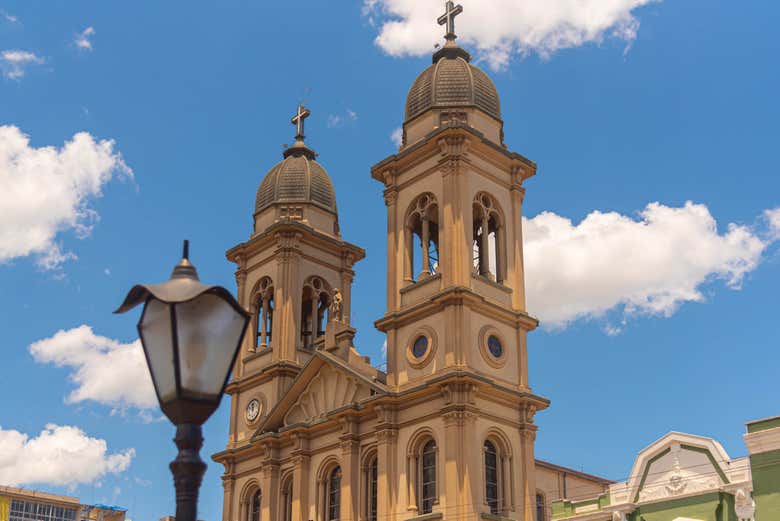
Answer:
(158, 343)
(209, 330)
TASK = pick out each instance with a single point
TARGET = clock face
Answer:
(253, 410)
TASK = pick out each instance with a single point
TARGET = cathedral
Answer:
(447, 431)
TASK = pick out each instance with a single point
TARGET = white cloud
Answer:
(650, 265)
(9, 17)
(499, 29)
(83, 41)
(104, 370)
(59, 455)
(337, 120)
(773, 218)
(397, 136)
(46, 191)
(14, 63)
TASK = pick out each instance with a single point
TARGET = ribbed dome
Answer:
(298, 178)
(452, 82)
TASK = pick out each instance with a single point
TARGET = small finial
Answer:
(448, 19)
(186, 250)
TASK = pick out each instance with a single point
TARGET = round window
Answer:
(420, 346)
(494, 346)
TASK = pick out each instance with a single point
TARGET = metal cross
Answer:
(297, 120)
(448, 18)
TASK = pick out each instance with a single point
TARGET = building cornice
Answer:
(763, 441)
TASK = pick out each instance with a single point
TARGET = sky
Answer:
(651, 228)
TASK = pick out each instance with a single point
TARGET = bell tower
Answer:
(456, 318)
(288, 272)
(454, 197)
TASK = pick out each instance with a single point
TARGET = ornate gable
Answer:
(329, 390)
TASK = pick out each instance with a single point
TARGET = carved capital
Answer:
(349, 445)
(457, 145)
(387, 436)
(458, 417)
(391, 196)
(527, 412)
(528, 433)
(288, 245)
(388, 177)
(300, 460)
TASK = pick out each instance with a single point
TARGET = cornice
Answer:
(431, 140)
(763, 441)
(458, 295)
(308, 235)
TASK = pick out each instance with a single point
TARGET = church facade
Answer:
(447, 430)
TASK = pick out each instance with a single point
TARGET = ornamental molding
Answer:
(763, 441)
(457, 145)
(391, 196)
(458, 417)
(387, 435)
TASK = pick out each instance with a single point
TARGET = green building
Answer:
(682, 477)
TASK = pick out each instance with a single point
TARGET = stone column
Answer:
(484, 248)
(300, 492)
(394, 270)
(270, 490)
(527, 464)
(264, 330)
(288, 292)
(229, 488)
(315, 312)
(350, 470)
(388, 475)
(425, 241)
(517, 278)
(347, 275)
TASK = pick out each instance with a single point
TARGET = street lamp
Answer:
(190, 333)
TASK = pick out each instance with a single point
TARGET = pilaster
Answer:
(350, 470)
(288, 295)
(527, 463)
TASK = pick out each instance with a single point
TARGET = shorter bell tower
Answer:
(290, 270)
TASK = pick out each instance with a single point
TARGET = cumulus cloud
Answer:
(499, 29)
(83, 41)
(773, 218)
(103, 370)
(397, 136)
(47, 190)
(648, 265)
(59, 455)
(14, 63)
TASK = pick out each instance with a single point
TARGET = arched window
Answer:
(427, 479)
(371, 489)
(540, 510)
(255, 505)
(491, 476)
(334, 494)
(286, 512)
(314, 308)
(487, 239)
(422, 239)
(264, 314)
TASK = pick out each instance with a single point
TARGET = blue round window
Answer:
(420, 346)
(494, 346)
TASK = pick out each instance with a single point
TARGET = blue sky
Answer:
(658, 318)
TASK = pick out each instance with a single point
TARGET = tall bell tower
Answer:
(456, 314)
(288, 272)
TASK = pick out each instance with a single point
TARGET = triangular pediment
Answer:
(325, 384)
(329, 390)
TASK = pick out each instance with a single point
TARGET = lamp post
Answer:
(190, 334)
